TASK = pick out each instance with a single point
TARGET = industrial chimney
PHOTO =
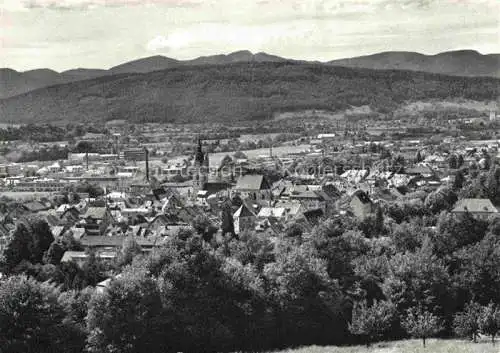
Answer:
(146, 152)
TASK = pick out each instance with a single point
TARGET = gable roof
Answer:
(35, 206)
(419, 169)
(168, 219)
(276, 212)
(243, 211)
(362, 196)
(475, 206)
(112, 241)
(252, 182)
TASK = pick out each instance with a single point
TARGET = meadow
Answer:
(408, 346)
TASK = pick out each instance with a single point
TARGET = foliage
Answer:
(252, 88)
(30, 316)
(466, 323)
(373, 321)
(422, 324)
(489, 321)
(31, 239)
(127, 317)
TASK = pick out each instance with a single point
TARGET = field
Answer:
(409, 346)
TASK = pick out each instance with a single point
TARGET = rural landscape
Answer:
(301, 196)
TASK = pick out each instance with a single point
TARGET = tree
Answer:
(130, 249)
(31, 239)
(127, 317)
(379, 221)
(75, 305)
(442, 199)
(239, 155)
(459, 181)
(466, 323)
(371, 322)
(422, 324)
(420, 278)
(204, 227)
(30, 316)
(227, 219)
(418, 157)
(59, 246)
(489, 321)
(477, 272)
(453, 161)
(306, 299)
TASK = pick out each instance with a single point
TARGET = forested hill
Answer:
(459, 62)
(235, 92)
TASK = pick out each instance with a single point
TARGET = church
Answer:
(201, 169)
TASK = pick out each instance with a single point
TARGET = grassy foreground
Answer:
(408, 346)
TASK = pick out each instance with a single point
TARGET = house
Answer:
(96, 220)
(312, 199)
(79, 257)
(165, 225)
(244, 218)
(35, 207)
(478, 208)
(254, 187)
(112, 243)
(276, 212)
(69, 217)
(420, 170)
(294, 209)
(361, 205)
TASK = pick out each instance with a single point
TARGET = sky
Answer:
(68, 34)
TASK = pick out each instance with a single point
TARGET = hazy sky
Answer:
(65, 34)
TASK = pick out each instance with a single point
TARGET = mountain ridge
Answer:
(456, 63)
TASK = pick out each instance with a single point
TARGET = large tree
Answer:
(30, 316)
(127, 317)
(31, 239)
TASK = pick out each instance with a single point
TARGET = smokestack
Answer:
(87, 157)
(146, 152)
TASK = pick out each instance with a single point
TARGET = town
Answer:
(89, 207)
(149, 181)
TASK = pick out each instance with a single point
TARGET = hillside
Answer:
(236, 92)
(13, 83)
(460, 63)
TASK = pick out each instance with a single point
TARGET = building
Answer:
(244, 219)
(134, 154)
(201, 169)
(254, 187)
(96, 220)
(478, 208)
(166, 225)
(361, 205)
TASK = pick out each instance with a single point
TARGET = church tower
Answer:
(200, 169)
